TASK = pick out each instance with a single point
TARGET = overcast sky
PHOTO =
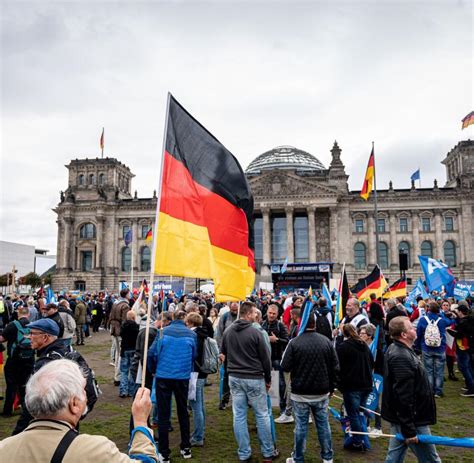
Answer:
(257, 75)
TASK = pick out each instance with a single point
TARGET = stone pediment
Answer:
(284, 184)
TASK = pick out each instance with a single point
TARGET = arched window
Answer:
(450, 253)
(426, 249)
(383, 255)
(87, 231)
(91, 179)
(101, 179)
(126, 259)
(81, 179)
(404, 248)
(360, 259)
(145, 259)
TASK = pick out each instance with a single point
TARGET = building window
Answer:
(426, 249)
(86, 261)
(381, 225)
(403, 224)
(145, 229)
(360, 259)
(145, 259)
(450, 253)
(80, 285)
(404, 248)
(87, 231)
(258, 242)
(300, 229)
(81, 179)
(426, 224)
(91, 179)
(383, 255)
(101, 179)
(125, 230)
(359, 225)
(279, 250)
(449, 224)
(126, 259)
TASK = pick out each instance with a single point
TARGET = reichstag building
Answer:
(303, 211)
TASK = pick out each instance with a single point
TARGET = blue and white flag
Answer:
(463, 289)
(285, 264)
(437, 273)
(415, 175)
(327, 294)
(418, 290)
(51, 298)
(374, 343)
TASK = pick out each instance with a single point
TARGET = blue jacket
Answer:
(420, 333)
(172, 355)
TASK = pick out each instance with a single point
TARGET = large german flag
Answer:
(205, 210)
(397, 289)
(368, 185)
(374, 283)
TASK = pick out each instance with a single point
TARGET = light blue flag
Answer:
(373, 344)
(51, 298)
(415, 175)
(437, 273)
(304, 319)
(284, 266)
(327, 294)
(418, 290)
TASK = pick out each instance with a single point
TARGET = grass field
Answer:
(111, 415)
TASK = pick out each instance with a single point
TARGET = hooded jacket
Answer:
(246, 352)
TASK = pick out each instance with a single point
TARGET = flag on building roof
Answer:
(343, 294)
(415, 175)
(102, 140)
(374, 283)
(149, 235)
(437, 273)
(468, 120)
(397, 289)
(205, 210)
(128, 237)
(368, 185)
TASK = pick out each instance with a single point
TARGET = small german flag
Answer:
(374, 283)
(368, 185)
(397, 289)
(102, 140)
(149, 235)
(205, 210)
(468, 120)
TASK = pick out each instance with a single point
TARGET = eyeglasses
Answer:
(37, 333)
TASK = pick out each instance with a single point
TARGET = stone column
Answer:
(372, 253)
(415, 224)
(459, 230)
(99, 241)
(393, 241)
(333, 236)
(467, 230)
(311, 233)
(438, 236)
(290, 238)
(267, 237)
(68, 250)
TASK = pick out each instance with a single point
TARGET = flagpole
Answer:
(155, 233)
(377, 250)
(102, 144)
(131, 267)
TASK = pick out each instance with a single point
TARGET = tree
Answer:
(4, 279)
(32, 279)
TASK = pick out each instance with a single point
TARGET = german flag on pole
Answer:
(468, 120)
(205, 210)
(374, 283)
(397, 289)
(102, 140)
(369, 178)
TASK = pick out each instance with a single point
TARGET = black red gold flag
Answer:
(374, 283)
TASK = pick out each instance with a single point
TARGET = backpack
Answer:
(21, 348)
(432, 334)
(92, 387)
(322, 325)
(210, 356)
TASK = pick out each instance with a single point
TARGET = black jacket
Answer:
(138, 356)
(57, 318)
(128, 333)
(407, 397)
(42, 357)
(356, 364)
(312, 362)
(202, 334)
(246, 352)
(279, 330)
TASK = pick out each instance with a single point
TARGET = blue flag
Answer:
(418, 290)
(437, 273)
(415, 175)
(304, 319)
(374, 343)
(128, 237)
(285, 264)
(327, 294)
(51, 298)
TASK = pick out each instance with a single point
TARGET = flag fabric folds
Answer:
(149, 235)
(368, 185)
(437, 273)
(397, 289)
(284, 266)
(343, 294)
(102, 140)
(205, 210)
(128, 237)
(468, 120)
(418, 290)
(415, 175)
(326, 294)
(374, 283)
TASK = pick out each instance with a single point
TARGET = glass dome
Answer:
(285, 158)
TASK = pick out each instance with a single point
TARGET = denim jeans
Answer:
(199, 413)
(127, 383)
(320, 412)
(281, 384)
(352, 402)
(465, 367)
(251, 392)
(434, 366)
(425, 453)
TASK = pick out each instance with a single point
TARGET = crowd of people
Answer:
(261, 345)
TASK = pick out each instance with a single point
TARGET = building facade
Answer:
(303, 212)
